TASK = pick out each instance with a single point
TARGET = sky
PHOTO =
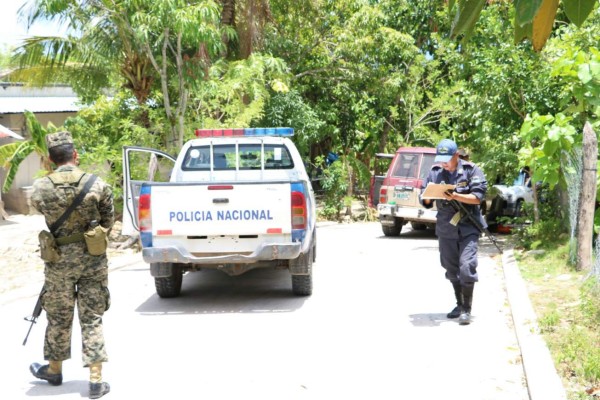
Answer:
(13, 30)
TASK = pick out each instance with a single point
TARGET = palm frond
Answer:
(37, 132)
(12, 159)
(50, 51)
(6, 153)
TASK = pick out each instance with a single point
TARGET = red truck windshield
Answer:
(407, 166)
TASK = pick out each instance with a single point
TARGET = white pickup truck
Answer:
(234, 200)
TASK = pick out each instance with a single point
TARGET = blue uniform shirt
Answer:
(468, 178)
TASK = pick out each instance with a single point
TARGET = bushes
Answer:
(567, 304)
(550, 228)
(335, 186)
(101, 131)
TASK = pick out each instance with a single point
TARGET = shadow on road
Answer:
(214, 292)
(430, 320)
(486, 247)
(42, 388)
(412, 235)
(7, 222)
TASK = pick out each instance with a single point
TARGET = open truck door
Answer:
(141, 165)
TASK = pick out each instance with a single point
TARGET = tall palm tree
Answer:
(97, 50)
(136, 41)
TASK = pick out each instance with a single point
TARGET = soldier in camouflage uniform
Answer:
(77, 277)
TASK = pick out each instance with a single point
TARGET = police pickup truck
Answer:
(232, 200)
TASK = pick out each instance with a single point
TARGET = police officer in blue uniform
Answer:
(457, 236)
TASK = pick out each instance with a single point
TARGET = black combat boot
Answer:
(459, 301)
(41, 372)
(99, 389)
(465, 315)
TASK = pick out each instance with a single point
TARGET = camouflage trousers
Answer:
(81, 279)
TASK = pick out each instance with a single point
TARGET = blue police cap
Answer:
(445, 150)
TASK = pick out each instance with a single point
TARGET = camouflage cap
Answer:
(58, 138)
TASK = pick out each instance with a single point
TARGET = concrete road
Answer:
(375, 328)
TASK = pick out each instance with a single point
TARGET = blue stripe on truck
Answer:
(145, 236)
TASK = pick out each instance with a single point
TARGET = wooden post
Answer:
(587, 200)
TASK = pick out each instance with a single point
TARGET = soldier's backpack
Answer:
(49, 250)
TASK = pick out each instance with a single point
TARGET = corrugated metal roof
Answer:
(17, 105)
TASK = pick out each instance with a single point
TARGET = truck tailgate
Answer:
(220, 209)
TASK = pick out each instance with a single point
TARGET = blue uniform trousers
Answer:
(459, 259)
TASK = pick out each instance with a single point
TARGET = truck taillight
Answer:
(299, 212)
(145, 217)
(383, 195)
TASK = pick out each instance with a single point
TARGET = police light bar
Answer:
(245, 132)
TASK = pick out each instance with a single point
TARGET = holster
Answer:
(49, 250)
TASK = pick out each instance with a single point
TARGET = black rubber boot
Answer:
(459, 301)
(465, 315)
(99, 389)
(41, 372)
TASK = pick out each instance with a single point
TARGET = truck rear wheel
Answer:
(393, 230)
(302, 284)
(170, 286)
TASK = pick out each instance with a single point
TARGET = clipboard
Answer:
(436, 191)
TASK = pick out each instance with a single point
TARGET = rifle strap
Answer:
(74, 204)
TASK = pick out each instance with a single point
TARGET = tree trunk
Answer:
(536, 203)
(350, 189)
(228, 13)
(587, 200)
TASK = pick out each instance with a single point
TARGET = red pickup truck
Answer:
(398, 201)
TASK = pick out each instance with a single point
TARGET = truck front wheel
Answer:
(417, 226)
(169, 286)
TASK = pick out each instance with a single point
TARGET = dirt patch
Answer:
(19, 250)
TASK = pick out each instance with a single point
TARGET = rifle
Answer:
(37, 311)
(460, 207)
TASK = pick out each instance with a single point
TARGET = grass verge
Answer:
(567, 305)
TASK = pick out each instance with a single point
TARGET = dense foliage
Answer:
(353, 77)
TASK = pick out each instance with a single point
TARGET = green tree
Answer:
(180, 38)
(236, 93)
(501, 84)
(249, 18)
(95, 54)
(355, 71)
(172, 41)
(101, 131)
